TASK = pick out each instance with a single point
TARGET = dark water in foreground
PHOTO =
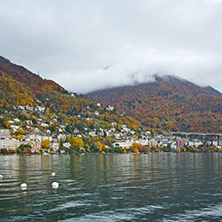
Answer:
(115, 187)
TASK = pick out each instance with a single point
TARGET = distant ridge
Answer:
(169, 103)
(212, 91)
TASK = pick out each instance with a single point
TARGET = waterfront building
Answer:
(9, 144)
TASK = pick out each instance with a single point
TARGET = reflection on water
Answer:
(114, 187)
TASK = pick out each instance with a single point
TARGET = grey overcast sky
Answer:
(86, 45)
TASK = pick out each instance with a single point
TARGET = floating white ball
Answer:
(1, 176)
(23, 186)
(53, 174)
(55, 185)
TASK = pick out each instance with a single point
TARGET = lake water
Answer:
(113, 187)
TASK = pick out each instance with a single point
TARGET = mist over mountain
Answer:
(20, 87)
(170, 103)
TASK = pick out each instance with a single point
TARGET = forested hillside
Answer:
(169, 103)
(13, 92)
(19, 86)
(19, 73)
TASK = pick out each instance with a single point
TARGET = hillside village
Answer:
(33, 130)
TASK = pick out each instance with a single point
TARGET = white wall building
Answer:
(4, 133)
(34, 143)
(35, 136)
(9, 144)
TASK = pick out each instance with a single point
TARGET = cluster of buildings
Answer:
(172, 142)
(123, 140)
(6, 141)
(32, 139)
(124, 136)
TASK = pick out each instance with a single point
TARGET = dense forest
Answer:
(169, 103)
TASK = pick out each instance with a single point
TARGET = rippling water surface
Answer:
(113, 187)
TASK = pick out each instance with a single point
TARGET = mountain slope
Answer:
(14, 93)
(26, 77)
(19, 86)
(170, 103)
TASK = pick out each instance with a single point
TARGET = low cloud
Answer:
(89, 45)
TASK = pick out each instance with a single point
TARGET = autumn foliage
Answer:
(26, 77)
(45, 144)
(169, 103)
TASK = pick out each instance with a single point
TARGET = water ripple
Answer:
(114, 187)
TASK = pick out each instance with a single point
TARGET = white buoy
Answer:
(53, 174)
(55, 185)
(23, 186)
(1, 176)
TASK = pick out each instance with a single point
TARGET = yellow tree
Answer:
(21, 131)
(33, 117)
(45, 144)
(135, 147)
(101, 146)
(6, 123)
(19, 136)
(75, 141)
(177, 150)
